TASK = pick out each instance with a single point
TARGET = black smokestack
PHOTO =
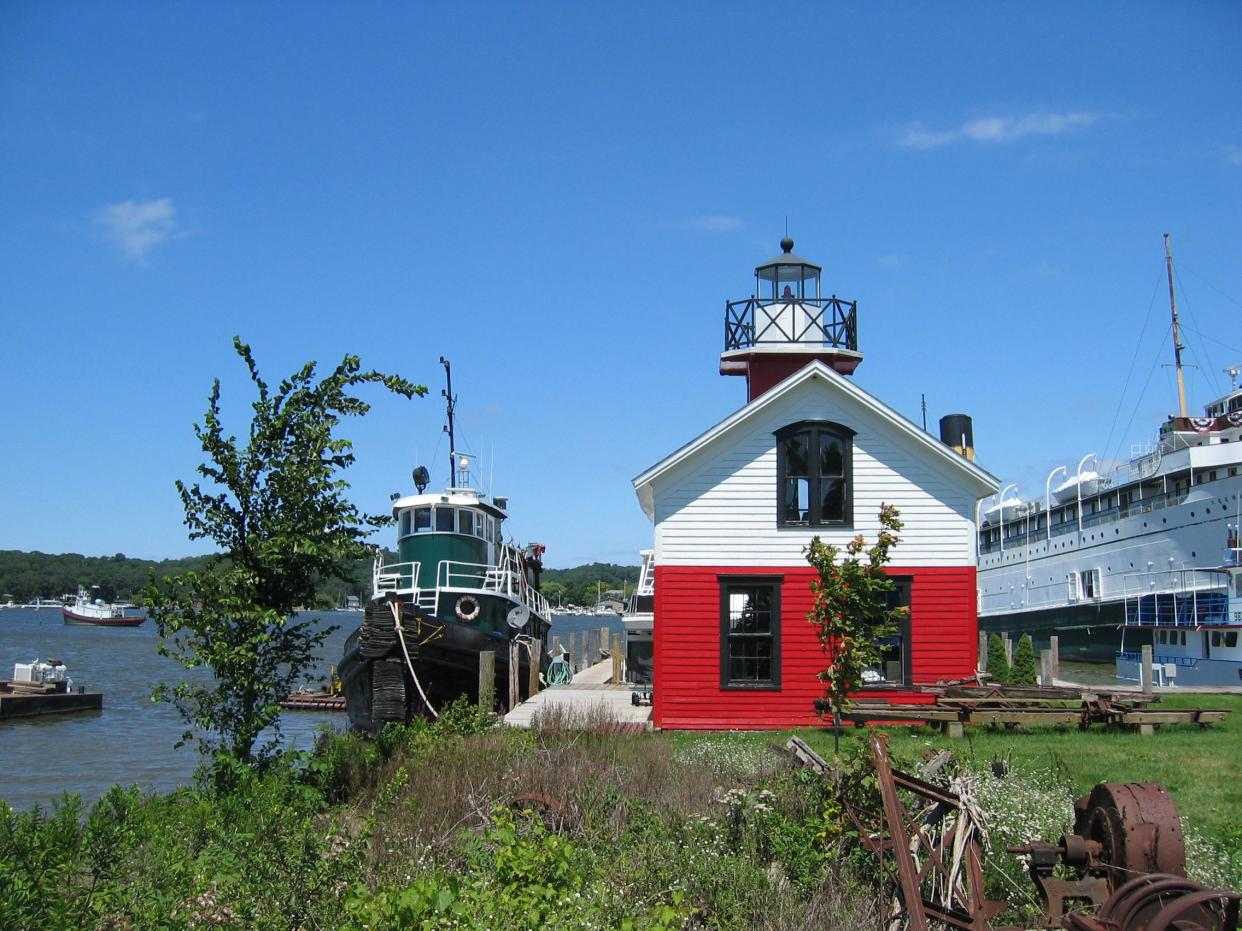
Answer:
(957, 431)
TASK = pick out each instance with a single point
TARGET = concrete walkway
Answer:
(590, 692)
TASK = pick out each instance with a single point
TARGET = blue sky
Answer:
(560, 198)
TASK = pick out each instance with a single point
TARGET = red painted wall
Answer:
(944, 644)
(766, 370)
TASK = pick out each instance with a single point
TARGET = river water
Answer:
(131, 741)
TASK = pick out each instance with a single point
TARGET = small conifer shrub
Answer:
(998, 662)
(1023, 672)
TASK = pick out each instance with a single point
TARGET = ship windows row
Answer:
(1217, 638)
(450, 520)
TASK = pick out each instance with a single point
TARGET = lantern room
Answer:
(787, 323)
(787, 277)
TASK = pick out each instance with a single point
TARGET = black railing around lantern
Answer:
(828, 321)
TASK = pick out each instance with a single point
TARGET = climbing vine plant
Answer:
(851, 608)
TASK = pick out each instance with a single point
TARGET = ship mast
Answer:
(1177, 342)
(451, 402)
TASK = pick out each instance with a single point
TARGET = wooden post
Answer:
(616, 664)
(578, 642)
(1008, 649)
(1045, 668)
(605, 641)
(487, 680)
(591, 653)
(513, 674)
(983, 652)
(532, 682)
(556, 645)
(1145, 673)
(1054, 647)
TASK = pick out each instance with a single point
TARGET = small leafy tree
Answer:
(852, 609)
(1023, 672)
(998, 662)
(276, 509)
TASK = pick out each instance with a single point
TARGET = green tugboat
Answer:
(457, 590)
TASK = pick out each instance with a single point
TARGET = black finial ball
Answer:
(787, 244)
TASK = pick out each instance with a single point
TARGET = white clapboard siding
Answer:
(718, 505)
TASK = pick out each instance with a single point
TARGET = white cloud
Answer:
(997, 129)
(713, 224)
(138, 226)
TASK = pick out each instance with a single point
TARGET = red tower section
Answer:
(787, 323)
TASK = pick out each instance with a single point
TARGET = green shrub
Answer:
(998, 662)
(1024, 672)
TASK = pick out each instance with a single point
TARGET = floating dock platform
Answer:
(17, 702)
(313, 701)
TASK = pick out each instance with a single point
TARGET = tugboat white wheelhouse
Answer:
(456, 590)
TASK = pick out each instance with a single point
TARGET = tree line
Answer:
(25, 576)
(583, 585)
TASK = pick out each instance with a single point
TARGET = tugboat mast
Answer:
(447, 393)
(1177, 342)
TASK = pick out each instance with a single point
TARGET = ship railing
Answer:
(488, 578)
(395, 578)
(1188, 662)
(1145, 506)
(1176, 598)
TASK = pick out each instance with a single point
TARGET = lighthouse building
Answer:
(809, 454)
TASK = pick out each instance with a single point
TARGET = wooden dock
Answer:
(589, 695)
(313, 701)
(17, 701)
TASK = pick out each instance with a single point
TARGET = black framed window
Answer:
(894, 666)
(750, 632)
(814, 475)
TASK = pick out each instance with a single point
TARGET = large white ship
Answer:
(1068, 564)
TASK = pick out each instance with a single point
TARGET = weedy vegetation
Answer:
(465, 824)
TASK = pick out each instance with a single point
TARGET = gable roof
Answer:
(984, 481)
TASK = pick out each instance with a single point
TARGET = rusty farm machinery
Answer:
(1123, 868)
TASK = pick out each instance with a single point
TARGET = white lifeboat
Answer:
(1013, 509)
(1068, 490)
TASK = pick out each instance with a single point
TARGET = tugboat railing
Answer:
(451, 574)
(396, 578)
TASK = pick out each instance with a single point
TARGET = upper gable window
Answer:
(814, 475)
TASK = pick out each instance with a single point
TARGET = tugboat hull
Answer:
(381, 686)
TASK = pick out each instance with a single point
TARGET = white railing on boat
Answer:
(396, 578)
(401, 578)
(502, 579)
(1176, 598)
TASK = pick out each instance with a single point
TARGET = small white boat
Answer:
(100, 613)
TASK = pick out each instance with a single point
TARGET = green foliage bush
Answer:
(1024, 671)
(998, 662)
(417, 829)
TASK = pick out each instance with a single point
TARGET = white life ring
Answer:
(467, 608)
